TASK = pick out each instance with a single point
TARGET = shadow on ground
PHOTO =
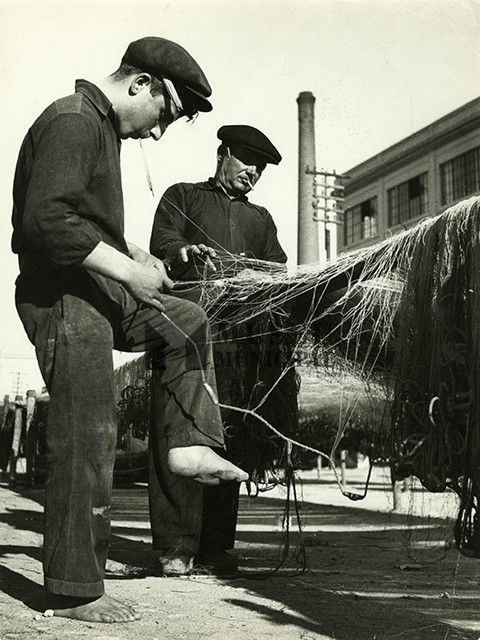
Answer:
(367, 575)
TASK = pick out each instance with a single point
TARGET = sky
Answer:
(379, 70)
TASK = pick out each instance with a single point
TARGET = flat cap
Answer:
(250, 138)
(166, 59)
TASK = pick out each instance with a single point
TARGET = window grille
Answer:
(360, 222)
(407, 200)
(460, 177)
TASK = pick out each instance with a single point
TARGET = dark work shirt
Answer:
(203, 213)
(67, 189)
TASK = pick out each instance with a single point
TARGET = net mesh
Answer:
(388, 334)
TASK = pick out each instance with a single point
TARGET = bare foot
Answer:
(104, 609)
(203, 465)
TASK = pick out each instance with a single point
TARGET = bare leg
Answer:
(203, 465)
(103, 609)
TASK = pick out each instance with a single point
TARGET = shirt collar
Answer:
(211, 185)
(93, 93)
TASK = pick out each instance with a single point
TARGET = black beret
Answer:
(166, 59)
(250, 138)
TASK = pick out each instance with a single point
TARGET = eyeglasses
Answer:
(171, 112)
(177, 107)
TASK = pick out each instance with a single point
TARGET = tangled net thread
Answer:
(401, 319)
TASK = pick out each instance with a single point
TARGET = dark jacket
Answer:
(67, 190)
(203, 213)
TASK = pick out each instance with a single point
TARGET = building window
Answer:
(460, 177)
(360, 222)
(407, 200)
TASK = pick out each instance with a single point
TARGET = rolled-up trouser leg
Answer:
(74, 349)
(183, 413)
(184, 368)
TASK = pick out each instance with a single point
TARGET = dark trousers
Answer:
(183, 513)
(196, 518)
(249, 359)
(75, 319)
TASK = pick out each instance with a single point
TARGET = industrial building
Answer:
(420, 176)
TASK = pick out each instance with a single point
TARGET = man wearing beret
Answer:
(83, 290)
(212, 228)
(217, 213)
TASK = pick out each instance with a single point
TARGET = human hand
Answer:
(143, 257)
(147, 283)
(201, 250)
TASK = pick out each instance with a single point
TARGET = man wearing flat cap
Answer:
(212, 229)
(84, 290)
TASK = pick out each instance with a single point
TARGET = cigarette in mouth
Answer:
(249, 183)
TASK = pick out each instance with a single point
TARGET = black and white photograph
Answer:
(240, 329)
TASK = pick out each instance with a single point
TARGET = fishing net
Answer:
(392, 328)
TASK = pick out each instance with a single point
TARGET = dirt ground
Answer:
(371, 574)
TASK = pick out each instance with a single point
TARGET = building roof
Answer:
(450, 127)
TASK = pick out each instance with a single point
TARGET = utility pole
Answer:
(328, 201)
(18, 374)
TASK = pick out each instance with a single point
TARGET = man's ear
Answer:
(140, 82)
